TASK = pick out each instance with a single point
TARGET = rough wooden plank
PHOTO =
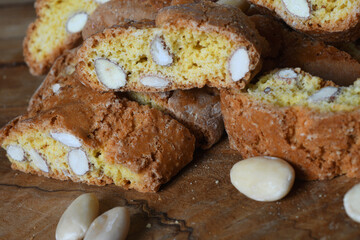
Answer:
(193, 205)
(16, 86)
(4, 3)
(11, 51)
(15, 19)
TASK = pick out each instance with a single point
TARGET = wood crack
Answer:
(162, 217)
(12, 65)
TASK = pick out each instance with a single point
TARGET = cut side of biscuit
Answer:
(330, 21)
(290, 114)
(57, 28)
(180, 53)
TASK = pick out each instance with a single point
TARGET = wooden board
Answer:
(199, 203)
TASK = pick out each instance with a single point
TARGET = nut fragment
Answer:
(263, 178)
(242, 4)
(77, 217)
(16, 153)
(56, 87)
(325, 94)
(154, 81)
(67, 139)
(287, 73)
(160, 52)
(110, 74)
(299, 8)
(76, 22)
(113, 224)
(78, 162)
(239, 64)
(352, 203)
(38, 160)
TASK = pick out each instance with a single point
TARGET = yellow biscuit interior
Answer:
(50, 31)
(296, 92)
(56, 153)
(197, 56)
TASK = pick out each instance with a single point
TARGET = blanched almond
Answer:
(111, 225)
(77, 218)
(263, 178)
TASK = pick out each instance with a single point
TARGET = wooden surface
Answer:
(199, 203)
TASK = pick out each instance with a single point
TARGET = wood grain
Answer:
(199, 203)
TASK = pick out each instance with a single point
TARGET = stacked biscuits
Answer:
(135, 86)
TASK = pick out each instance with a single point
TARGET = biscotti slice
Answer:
(289, 48)
(327, 20)
(117, 11)
(293, 115)
(198, 109)
(191, 45)
(57, 27)
(117, 141)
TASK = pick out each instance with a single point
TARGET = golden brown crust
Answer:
(292, 49)
(347, 29)
(198, 109)
(318, 145)
(118, 11)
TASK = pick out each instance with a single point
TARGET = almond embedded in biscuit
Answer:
(299, 8)
(76, 22)
(110, 74)
(78, 162)
(239, 64)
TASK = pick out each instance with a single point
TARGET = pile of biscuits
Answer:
(134, 87)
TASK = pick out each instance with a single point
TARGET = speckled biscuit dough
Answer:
(117, 11)
(327, 20)
(57, 27)
(305, 120)
(292, 49)
(198, 109)
(191, 45)
(72, 132)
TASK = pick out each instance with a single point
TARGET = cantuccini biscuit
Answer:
(198, 109)
(288, 48)
(327, 20)
(312, 123)
(73, 132)
(57, 27)
(191, 45)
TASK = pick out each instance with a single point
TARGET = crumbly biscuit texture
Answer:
(198, 109)
(330, 21)
(57, 27)
(191, 45)
(305, 120)
(97, 138)
(288, 48)
(118, 11)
